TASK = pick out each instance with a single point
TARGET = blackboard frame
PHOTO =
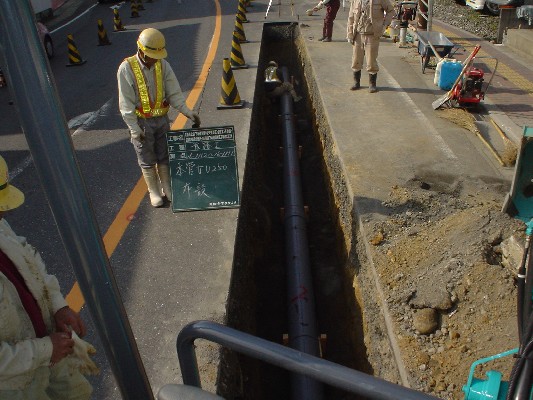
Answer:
(204, 173)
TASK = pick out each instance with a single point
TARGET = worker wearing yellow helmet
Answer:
(147, 87)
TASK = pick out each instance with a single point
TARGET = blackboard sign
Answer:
(203, 168)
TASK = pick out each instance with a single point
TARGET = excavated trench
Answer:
(257, 301)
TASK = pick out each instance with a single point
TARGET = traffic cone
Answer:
(229, 95)
(103, 40)
(140, 6)
(134, 12)
(74, 56)
(237, 59)
(239, 31)
(241, 12)
(117, 23)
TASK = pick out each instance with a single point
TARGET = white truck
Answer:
(42, 8)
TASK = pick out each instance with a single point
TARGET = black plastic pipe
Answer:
(303, 332)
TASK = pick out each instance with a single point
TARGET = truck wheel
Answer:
(49, 46)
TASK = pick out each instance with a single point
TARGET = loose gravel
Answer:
(457, 14)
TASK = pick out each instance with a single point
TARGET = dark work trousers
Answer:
(331, 12)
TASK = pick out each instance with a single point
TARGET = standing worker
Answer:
(367, 21)
(332, 6)
(41, 356)
(147, 87)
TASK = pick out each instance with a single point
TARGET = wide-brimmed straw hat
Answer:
(10, 196)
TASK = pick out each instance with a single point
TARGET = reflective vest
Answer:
(149, 109)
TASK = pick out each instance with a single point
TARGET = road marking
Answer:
(85, 121)
(119, 225)
(199, 85)
(72, 20)
(420, 115)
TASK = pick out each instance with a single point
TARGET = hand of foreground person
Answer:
(62, 346)
(67, 319)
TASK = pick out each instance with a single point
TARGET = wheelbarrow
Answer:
(442, 45)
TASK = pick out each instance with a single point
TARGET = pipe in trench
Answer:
(303, 332)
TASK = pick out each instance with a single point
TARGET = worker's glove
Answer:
(309, 12)
(351, 38)
(319, 6)
(194, 117)
(80, 358)
(137, 135)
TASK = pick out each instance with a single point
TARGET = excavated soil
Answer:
(442, 255)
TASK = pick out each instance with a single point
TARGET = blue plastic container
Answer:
(448, 74)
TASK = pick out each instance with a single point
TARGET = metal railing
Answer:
(284, 357)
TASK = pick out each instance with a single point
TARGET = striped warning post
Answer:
(237, 59)
(229, 95)
(239, 31)
(241, 12)
(134, 12)
(103, 40)
(140, 6)
(242, 4)
(74, 56)
(117, 23)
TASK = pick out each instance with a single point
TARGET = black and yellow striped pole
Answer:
(237, 59)
(239, 31)
(74, 56)
(134, 12)
(241, 12)
(117, 23)
(103, 40)
(140, 6)
(229, 95)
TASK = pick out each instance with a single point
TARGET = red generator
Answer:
(470, 88)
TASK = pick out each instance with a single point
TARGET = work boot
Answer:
(321, 39)
(164, 175)
(357, 80)
(372, 87)
(152, 181)
(328, 39)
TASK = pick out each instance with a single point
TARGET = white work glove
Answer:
(319, 6)
(80, 358)
(194, 117)
(137, 135)
(351, 38)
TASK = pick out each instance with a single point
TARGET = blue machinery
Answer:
(47, 134)
(518, 203)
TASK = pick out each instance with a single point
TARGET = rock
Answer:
(511, 250)
(431, 296)
(426, 321)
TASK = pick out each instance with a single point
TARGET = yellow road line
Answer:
(503, 70)
(115, 232)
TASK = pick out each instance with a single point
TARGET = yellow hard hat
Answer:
(10, 196)
(152, 43)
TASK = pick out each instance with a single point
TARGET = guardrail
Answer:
(292, 360)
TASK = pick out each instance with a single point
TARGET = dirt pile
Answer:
(451, 294)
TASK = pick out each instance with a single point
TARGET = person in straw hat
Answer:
(41, 354)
